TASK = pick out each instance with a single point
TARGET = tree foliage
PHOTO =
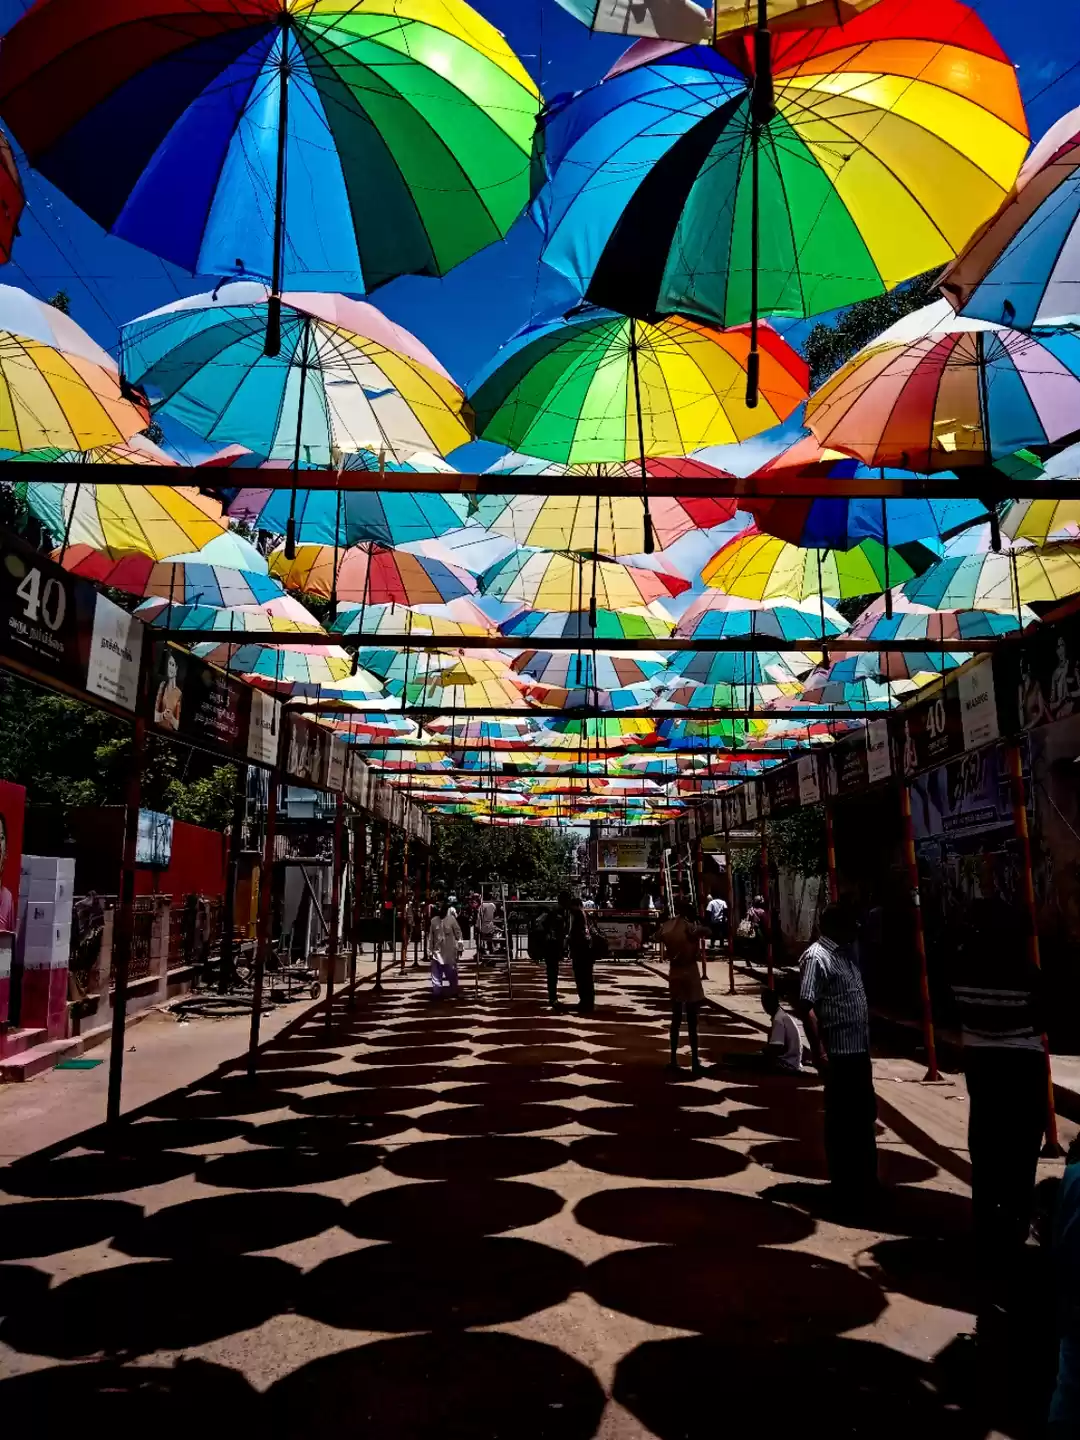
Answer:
(828, 346)
(465, 854)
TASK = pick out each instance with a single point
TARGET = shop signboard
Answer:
(782, 787)
(307, 754)
(115, 659)
(968, 796)
(624, 937)
(264, 729)
(978, 705)
(732, 802)
(809, 780)
(878, 752)
(626, 852)
(335, 772)
(198, 703)
(750, 800)
(1038, 682)
(930, 733)
(46, 615)
(848, 767)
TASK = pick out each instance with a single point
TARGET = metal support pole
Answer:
(404, 904)
(272, 346)
(266, 915)
(228, 934)
(359, 878)
(1052, 1149)
(766, 895)
(912, 863)
(124, 925)
(830, 852)
(730, 913)
(335, 902)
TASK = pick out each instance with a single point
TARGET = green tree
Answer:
(828, 346)
(61, 301)
(465, 854)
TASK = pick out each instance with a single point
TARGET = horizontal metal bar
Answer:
(715, 645)
(978, 486)
(479, 712)
(571, 752)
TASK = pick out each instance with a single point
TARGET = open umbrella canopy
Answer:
(1000, 581)
(394, 666)
(136, 451)
(565, 390)
(499, 734)
(611, 625)
(466, 684)
(606, 670)
(656, 467)
(371, 575)
(895, 136)
(548, 581)
(117, 520)
(1040, 521)
(281, 616)
(689, 696)
(58, 388)
(326, 517)
(346, 377)
(690, 733)
(183, 581)
(1023, 268)
(609, 525)
(760, 567)
(716, 616)
(740, 668)
(936, 392)
(305, 664)
(456, 618)
(411, 121)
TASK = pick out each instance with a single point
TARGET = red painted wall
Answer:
(197, 866)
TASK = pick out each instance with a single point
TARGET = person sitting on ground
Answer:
(782, 1051)
(680, 939)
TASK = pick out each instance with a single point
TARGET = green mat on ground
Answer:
(77, 1064)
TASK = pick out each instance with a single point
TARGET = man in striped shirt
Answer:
(832, 1003)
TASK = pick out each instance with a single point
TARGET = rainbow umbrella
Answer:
(1040, 521)
(345, 378)
(912, 665)
(740, 668)
(546, 581)
(759, 567)
(114, 521)
(553, 697)
(371, 575)
(716, 616)
(724, 696)
(354, 141)
(327, 517)
(1023, 268)
(498, 734)
(567, 390)
(657, 467)
(609, 525)
(999, 581)
(58, 388)
(863, 693)
(467, 684)
(182, 581)
(291, 664)
(689, 733)
(394, 667)
(611, 625)
(604, 733)
(604, 670)
(936, 392)
(881, 146)
(281, 616)
(458, 618)
(136, 451)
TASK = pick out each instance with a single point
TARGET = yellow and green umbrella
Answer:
(550, 581)
(155, 521)
(760, 567)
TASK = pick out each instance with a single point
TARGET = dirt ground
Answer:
(482, 1219)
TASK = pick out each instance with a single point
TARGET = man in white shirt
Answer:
(486, 931)
(716, 915)
(784, 1045)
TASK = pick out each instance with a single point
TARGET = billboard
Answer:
(627, 852)
(198, 703)
(155, 839)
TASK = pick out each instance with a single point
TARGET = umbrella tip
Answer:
(753, 379)
(290, 539)
(272, 347)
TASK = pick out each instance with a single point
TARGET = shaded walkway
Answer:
(485, 1220)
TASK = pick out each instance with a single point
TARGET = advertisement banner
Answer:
(264, 729)
(930, 733)
(848, 772)
(335, 770)
(199, 703)
(115, 659)
(968, 796)
(782, 788)
(878, 752)
(627, 852)
(750, 800)
(307, 755)
(809, 780)
(978, 705)
(46, 614)
(624, 937)
(1040, 682)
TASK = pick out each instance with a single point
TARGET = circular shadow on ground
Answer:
(748, 1293)
(402, 1075)
(493, 1072)
(440, 1284)
(612, 1065)
(444, 1024)
(806, 1158)
(152, 1305)
(655, 1159)
(489, 1120)
(651, 1123)
(654, 1092)
(48, 1227)
(77, 1175)
(938, 1272)
(671, 1387)
(412, 1055)
(139, 1136)
(389, 1041)
(509, 1091)
(273, 1169)
(533, 1037)
(535, 1054)
(230, 1225)
(379, 1100)
(429, 1387)
(109, 1399)
(906, 1210)
(690, 1217)
(287, 1060)
(267, 1081)
(214, 1104)
(460, 1207)
(327, 1132)
(488, 1157)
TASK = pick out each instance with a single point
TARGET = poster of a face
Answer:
(12, 811)
(169, 695)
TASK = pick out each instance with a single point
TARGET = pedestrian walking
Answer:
(444, 942)
(680, 939)
(547, 941)
(582, 955)
(485, 934)
(832, 1003)
(716, 910)
(998, 994)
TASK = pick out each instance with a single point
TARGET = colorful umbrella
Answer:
(888, 142)
(716, 616)
(394, 666)
(606, 670)
(303, 664)
(548, 581)
(600, 734)
(457, 618)
(498, 734)
(371, 574)
(688, 696)
(609, 525)
(183, 581)
(999, 581)
(657, 467)
(759, 567)
(1040, 521)
(568, 390)
(467, 684)
(557, 697)
(281, 616)
(937, 392)
(689, 733)
(136, 451)
(285, 138)
(327, 517)
(345, 378)
(58, 388)
(740, 668)
(1023, 268)
(152, 521)
(611, 625)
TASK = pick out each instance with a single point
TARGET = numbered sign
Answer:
(46, 615)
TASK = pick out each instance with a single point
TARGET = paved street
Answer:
(481, 1219)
